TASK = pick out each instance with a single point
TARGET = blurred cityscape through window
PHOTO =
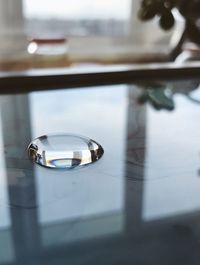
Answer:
(77, 18)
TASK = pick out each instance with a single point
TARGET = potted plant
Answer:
(163, 9)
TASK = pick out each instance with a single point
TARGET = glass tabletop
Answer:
(139, 204)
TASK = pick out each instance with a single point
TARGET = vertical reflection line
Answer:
(20, 178)
(6, 242)
(135, 157)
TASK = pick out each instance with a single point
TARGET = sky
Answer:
(77, 8)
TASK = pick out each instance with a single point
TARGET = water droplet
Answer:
(64, 151)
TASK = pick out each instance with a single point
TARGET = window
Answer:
(100, 30)
(77, 18)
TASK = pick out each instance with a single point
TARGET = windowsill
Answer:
(52, 62)
(91, 50)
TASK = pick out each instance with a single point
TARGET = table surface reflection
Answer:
(139, 204)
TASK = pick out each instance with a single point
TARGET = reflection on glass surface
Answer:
(195, 95)
(6, 244)
(144, 189)
(4, 211)
(84, 193)
(172, 161)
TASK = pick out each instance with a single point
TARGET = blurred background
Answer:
(97, 31)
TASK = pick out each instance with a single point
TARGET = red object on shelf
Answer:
(49, 40)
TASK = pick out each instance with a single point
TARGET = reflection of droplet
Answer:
(64, 151)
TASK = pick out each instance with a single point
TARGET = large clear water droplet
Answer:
(64, 151)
